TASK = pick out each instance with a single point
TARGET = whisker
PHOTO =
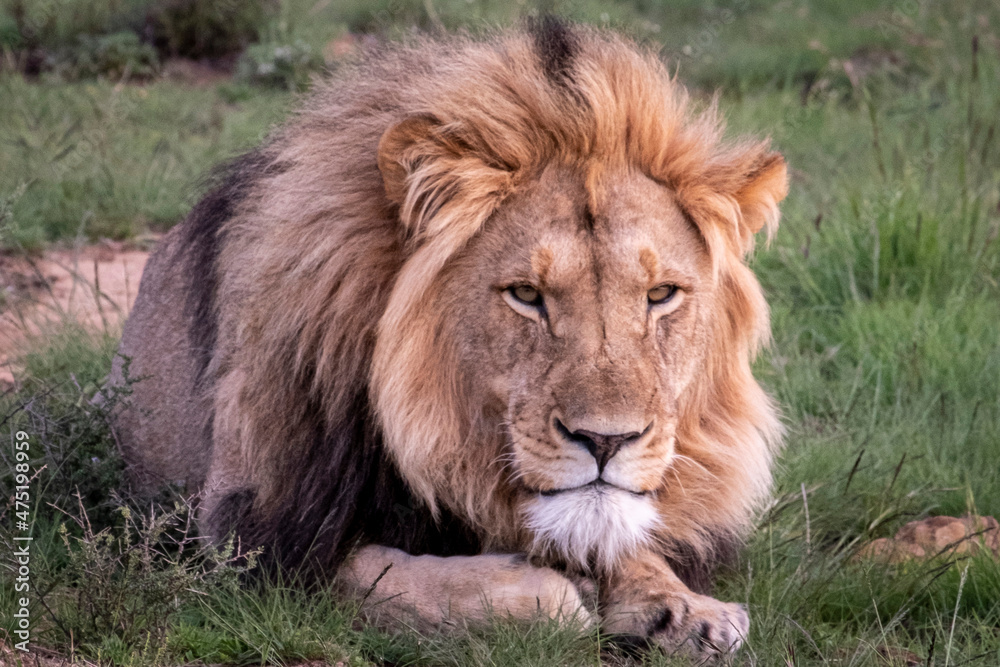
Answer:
(696, 464)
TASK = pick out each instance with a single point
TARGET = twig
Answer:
(805, 505)
(854, 469)
(97, 295)
(954, 617)
(371, 589)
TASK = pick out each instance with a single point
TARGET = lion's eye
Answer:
(527, 295)
(662, 294)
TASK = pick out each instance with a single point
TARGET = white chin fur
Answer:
(600, 523)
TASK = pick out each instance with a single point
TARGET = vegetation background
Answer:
(884, 281)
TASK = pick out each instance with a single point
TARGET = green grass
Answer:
(95, 160)
(884, 281)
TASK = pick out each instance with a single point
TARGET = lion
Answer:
(472, 334)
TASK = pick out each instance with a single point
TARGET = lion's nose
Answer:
(602, 446)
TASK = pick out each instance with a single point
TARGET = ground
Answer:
(94, 285)
(884, 283)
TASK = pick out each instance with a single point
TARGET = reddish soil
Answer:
(94, 285)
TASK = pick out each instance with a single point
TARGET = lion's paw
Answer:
(686, 622)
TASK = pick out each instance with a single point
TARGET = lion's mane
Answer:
(311, 262)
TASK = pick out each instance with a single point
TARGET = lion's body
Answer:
(332, 355)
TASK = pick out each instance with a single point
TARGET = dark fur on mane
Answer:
(557, 47)
(204, 237)
(351, 494)
(350, 491)
(697, 571)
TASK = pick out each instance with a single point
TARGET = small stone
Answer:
(887, 550)
(966, 535)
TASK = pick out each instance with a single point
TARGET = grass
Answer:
(884, 281)
(98, 160)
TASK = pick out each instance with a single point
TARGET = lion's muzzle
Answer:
(602, 446)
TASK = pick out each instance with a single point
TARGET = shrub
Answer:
(71, 435)
(117, 55)
(279, 65)
(122, 585)
(82, 38)
(108, 577)
(203, 29)
(56, 24)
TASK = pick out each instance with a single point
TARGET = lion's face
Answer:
(565, 351)
(582, 327)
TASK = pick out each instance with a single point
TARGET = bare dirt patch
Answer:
(9, 657)
(197, 73)
(93, 285)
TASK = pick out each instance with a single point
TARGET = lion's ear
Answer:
(758, 196)
(438, 176)
(399, 151)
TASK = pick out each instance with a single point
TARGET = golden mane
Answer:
(471, 141)
(329, 351)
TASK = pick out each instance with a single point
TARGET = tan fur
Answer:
(410, 196)
(430, 592)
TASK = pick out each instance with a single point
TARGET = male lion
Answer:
(480, 313)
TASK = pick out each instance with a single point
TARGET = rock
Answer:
(927, 538)
(890, 551)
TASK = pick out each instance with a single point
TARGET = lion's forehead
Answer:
(623, 234)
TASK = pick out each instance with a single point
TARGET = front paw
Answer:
(682, 621)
